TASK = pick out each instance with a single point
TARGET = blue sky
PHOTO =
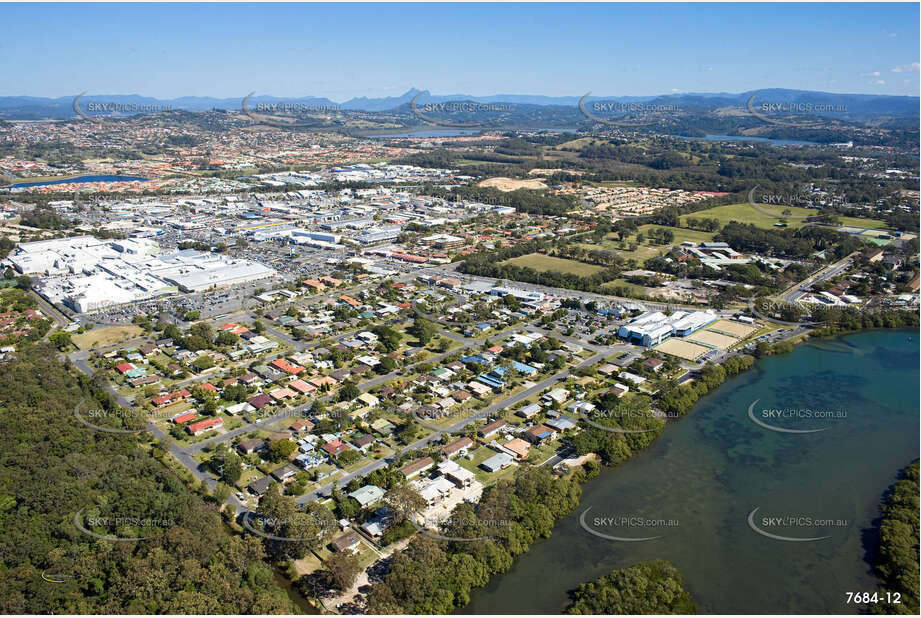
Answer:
(346, 50)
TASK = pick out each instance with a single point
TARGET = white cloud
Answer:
(914, 67)
(880, 82)
(870, 74)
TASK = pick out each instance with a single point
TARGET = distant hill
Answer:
(859, 107)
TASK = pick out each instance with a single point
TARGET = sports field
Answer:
(682, 349)
(736, 329)
(716, 340)
(541, 262)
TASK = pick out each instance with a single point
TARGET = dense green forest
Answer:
(54, 470)
(653, 587)
(897, 565)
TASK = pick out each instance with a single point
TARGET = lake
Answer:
(25, 185)
(695, 487)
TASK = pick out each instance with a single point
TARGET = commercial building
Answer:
(89, 274)
(654, 327)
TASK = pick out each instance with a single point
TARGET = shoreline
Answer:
(602, 467)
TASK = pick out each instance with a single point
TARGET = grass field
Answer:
(681, 234)
(541, 262)
(745, 213)
(640, 254)
(645, 250)
(610, 285)
(106, 336)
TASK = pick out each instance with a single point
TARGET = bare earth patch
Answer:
(512, 184)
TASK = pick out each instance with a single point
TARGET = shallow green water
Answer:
(707, 472)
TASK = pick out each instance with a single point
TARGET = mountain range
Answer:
(856, 106)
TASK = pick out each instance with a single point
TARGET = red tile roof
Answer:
(185, 417)
(208, 423)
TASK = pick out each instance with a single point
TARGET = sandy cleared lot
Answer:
(736, 329)
(541, 262)
(512, 184)
(542, 171)
(715, 339)
(106, 336)
(682, 349)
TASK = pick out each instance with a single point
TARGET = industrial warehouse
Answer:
(87, 274)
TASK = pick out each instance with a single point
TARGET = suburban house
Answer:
(183, 417)
(557, 395)
(607, 369)
(259, 401)
(618, 390)
(412, 470)
(248, 447)
(170, 398)
(561, 424)
(497, 462)
(459, 447)
(492, 428)
(334, 447)
(462, 477)
(437, 490)
(363, 443)
(301, 387)
(239, 408)
(284, 473)
(519, 447)
(529, 410)
(260, 486)
(301, 425)
(280, 394)
(538, 434)
(347, 542)
(196, 429)
(367, 495)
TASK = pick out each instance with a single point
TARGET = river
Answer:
(695, 487)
